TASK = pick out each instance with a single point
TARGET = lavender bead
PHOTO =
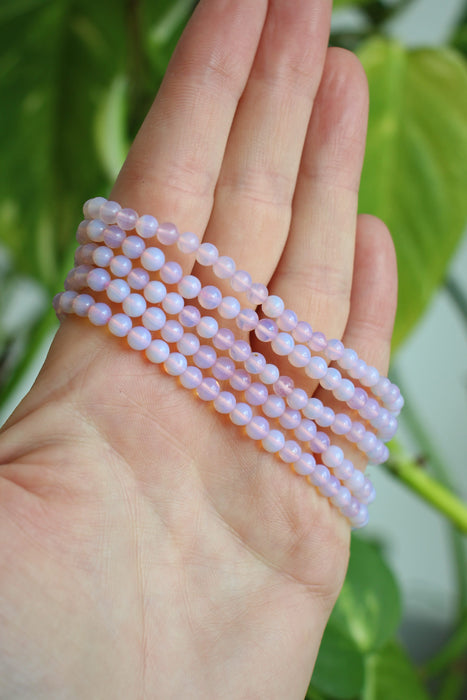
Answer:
(291, 452)
(99, 314)
(356, 432)
(240, 351)
(274, 406)
(92, 207)
(208, 390)
(313, 408)
(133, 247)
(189, 287)
(81, 232)
(189, 316)
(205, 357)
(207, 254)
(284, 386)
(368, 442)
(274, 441)
(344, 470)
(371, 377)
(370, 410)
(120, 266)
(139, 338)
(172, 331)
(188, 344)
(359, 399)
(326, 417)
(158, 351)
(367, 493)
(297, 399)
(320, 476)
(223, 368)
(81, 304)
(256, 394)
(229, 307)
(210, 297)
(333, 456)
(126, 219)
(361, 518)
(241, 414)
(300, 356)
(257, 293)
(102, 256)
(331, 379)
(258, 428)
(171, 272)
(287, 321)
(120, 325)
(273, 306)
(138, 278)
(146, 226)
(188, 242)
(342, 424)
(290, 419)
(382, 386)
(344, 391)
(95, 230)
(207, 327)
(225, 402)
(118, 290)
(134, 305)
(247, 320)
(302, 332)
(224, 267)
(283, 344)
(348, 358)
(240, 380)
(305, 465)
(342, 499)
(306, 430)
(66, 301)
(334, 349)
(113, 236)
(98, 280)
(152, 259)
(255, 363)
(316, 368)
(175, 364)
(224, 339)
(191, 378)
(355, 481)
(240, 281)
(154, 318)
(155, 292)
(83, 255)
(357, 371)
(108, 211)
(173, 303)
(320, 442)
(270, 374)
(167, 234)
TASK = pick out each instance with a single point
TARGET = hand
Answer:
(147, 548)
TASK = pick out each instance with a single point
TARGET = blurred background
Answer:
(76, 78)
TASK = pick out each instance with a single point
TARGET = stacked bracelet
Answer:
(122, 280)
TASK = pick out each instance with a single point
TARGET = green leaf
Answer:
(368, 609)
(415, 168)
(344, 3)
(391, 676)
(339, 669)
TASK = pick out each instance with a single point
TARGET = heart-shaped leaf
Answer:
(391, 676)
(339, 668)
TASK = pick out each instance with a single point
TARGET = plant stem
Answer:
(430, 489)
(457, 296)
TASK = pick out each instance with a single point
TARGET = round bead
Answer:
(224, 267)
(270, 374)
(302, 332)
(313, 408)
(118, 290)
(273, 306)
(258, 428)
(290, 419)
(225, 402)
(344, 470)
(305, 465)
(108, 211)
(146, 226)
(368, 442)
(274, 406)
(188, 344)
(255, 363)
(306, 430)
(189, 316)
(316, 368)
(240, 281)
(120, 266)
(207, 254)
(167, 234)
(113, 236)
(81, 304)
(274, 441)
(66, 301)
(229, 307)
(283, 344)
(318, 341)
(155, 292)
(355, 481)
(371, 376)
(342, 424)
(95, 230)
(297, 399)
(266, 330)
(359, 399)
(333, 456)
(247, 320)
(382, 386)
(205, 357)
(326, 417)
(92, 207)
(102, 256)
(342, 499)
(334, 349)
(240, 380)
(134, 305)
(152, 259)
(207, 327)
(287, 321)
(357, 371)
(240, 351)
(331, 379)
(138, 278)
(208, 390)
(188, 242)
(291, 452)
(99, 314)
(224, 339)
(175, 364)
(133, 247)
(158, 351)
(84, 254)
(172, 331)
(189, 287)
(126, 219)
(360, 519)
(356, 432)
(173, 303)
(348, 358)
(370, 410)
(284, 386)
(367, 493)
(210, 297)
(154, 318)
(120, 325)
(81, 232)
(191, 378)
(300, 356)
(257, 293)
(171, 272)
(320, 442)
(139, 338)
(241, 414)
(256, 394)
(223, 368)
(320, 476)
(344, 390)
(98, 280)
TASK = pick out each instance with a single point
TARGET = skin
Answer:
(148, 549)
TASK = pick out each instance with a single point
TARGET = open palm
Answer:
(148, 549)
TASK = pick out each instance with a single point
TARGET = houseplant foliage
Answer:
(76, 78)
